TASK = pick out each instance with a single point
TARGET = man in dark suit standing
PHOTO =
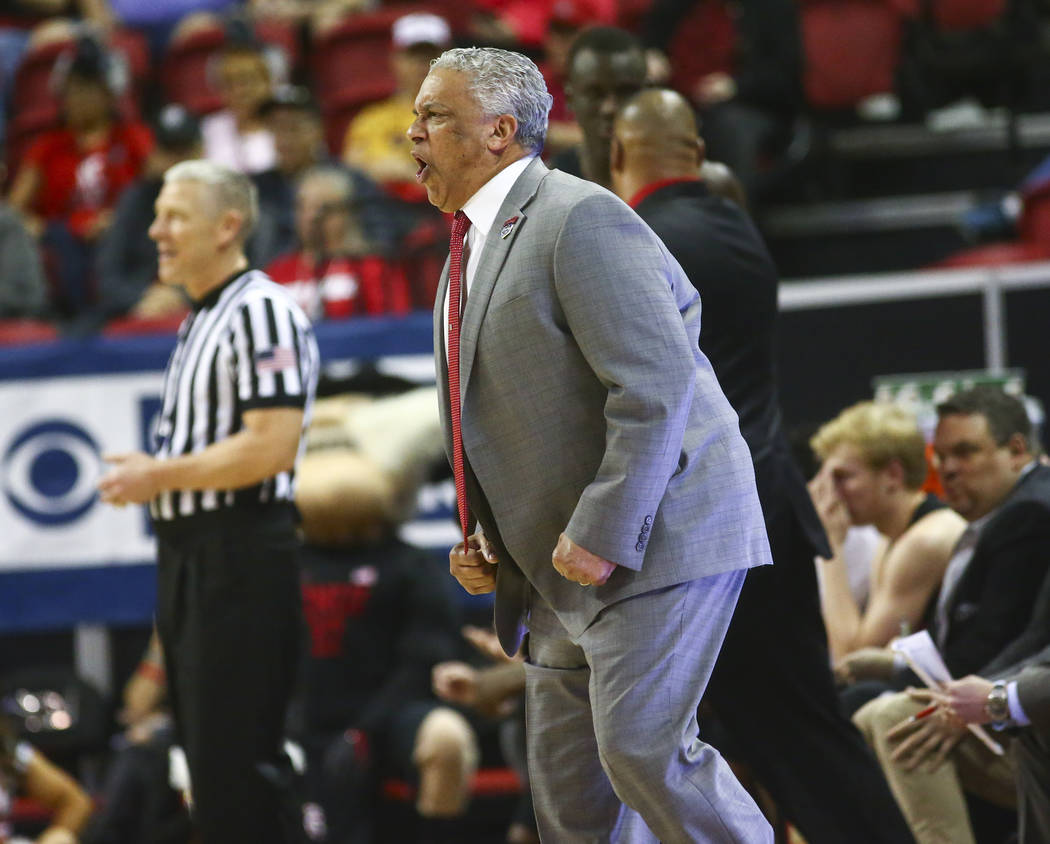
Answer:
(774, 693)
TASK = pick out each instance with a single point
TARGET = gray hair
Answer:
(332, 174)
(505, 83)
(232, 190)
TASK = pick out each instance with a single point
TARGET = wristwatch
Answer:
(997, 706)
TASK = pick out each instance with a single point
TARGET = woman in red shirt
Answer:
(70, 178)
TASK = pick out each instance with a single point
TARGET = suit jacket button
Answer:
(648, 520)
(640, 546)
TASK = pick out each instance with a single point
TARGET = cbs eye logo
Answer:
(50, 471)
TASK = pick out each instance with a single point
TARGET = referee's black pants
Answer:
(228, 614)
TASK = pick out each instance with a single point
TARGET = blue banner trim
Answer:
(62, 598)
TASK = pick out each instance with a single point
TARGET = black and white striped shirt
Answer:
(246, 345)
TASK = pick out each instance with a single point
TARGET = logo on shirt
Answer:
(50, 470)
(508, 227)
(276, 359)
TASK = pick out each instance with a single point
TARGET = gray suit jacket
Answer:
(588, 408)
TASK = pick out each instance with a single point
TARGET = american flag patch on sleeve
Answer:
(275, 359)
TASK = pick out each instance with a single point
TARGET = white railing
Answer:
(991, 283)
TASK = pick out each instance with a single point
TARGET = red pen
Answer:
(929, 710)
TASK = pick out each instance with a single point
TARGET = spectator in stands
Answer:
(71, 177)
(25, 773)
(1020, 217)
(336, 272)
(22, 285)
(375, 140)
(496, 690)
(987, 453)
(25, 24)
(138, 803)
(873, 466)
(748, 112)
(295, 121)
(381, 614)
(606, 67)
(237, 136)
(567, 18)
(127, 257)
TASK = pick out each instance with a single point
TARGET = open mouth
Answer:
(422, 169)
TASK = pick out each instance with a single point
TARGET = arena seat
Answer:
(338, 114)
(23, 129)
(136, 326)
(487, 782)
(996, 254)
(17, 332)
(33, 94)
(280, 34)
(704, 42)
(965, 15)
(184, 70)
(352, 60)
(34, 98)
(851, 49)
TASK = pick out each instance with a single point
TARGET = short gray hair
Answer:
(505, 83)
(332, 174)
(232, 190)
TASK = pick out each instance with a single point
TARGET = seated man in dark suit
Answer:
(986, 450)
(1020, 697)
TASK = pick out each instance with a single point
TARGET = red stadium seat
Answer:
(137, 326)
(17, 332)
(995, 255)
(703, 43)
(135, 48)
(353, 59)
(337, 115)
(23, 129)
(964, 15)
(1034, 225)
(281, 34)
(184, 70)
(487, 782)
(34, 94)
(851, 49)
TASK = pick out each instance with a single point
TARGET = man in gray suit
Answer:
(614, 497)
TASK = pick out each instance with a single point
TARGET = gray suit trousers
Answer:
(611, 723)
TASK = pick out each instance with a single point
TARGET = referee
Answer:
(237, 397)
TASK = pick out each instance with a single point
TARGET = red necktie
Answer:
(460, 224)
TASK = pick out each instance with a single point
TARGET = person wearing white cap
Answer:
(375, 140)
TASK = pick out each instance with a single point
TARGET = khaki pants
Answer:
(934, 802)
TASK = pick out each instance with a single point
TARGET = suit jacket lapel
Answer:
(492, 259)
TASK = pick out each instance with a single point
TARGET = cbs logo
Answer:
(50, 470)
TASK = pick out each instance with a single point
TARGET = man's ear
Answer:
(229, 227)
(894, 470)
(503, 133)
(1020, 454)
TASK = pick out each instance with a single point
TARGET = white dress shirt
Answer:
(481, 209)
